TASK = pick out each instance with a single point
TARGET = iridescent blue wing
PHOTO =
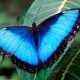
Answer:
(19, 42)
(54, 33)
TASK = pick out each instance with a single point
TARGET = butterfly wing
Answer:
(19, 42)
(54, 33)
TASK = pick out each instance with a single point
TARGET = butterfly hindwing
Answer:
(53, 34)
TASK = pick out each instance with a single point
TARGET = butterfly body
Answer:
(36, 47)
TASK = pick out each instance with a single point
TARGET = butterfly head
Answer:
(34, 27)
(34, 24)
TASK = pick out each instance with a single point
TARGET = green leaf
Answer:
(72, 70)
(20, 19)
(38, 12)
(6, 63)
(42, 9)
(69, 66)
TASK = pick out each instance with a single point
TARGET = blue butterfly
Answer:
(36, 47)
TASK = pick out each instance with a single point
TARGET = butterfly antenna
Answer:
(34, 17)
(36, 14)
